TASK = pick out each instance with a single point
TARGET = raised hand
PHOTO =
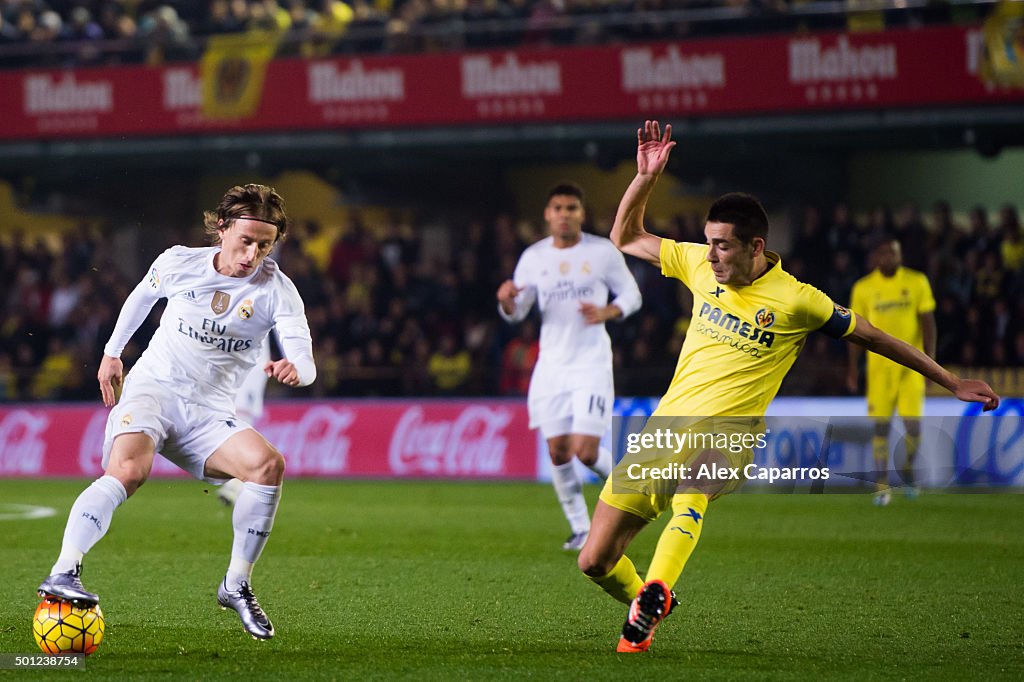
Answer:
(653, 148)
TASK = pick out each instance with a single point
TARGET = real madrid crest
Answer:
(245, 310)
(586, 267)
(220, 302)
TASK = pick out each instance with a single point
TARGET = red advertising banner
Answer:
(487, 439)
(807, 72)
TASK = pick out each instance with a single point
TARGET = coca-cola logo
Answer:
(90, 450)
(22, 445)
(90, 446)
(472, 444)
(316, 443)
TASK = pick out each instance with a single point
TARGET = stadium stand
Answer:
(389, 320)
(55, 33)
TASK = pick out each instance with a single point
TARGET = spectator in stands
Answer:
(221, 19)
(449, 367)
(808, 245)
(914, 237)
(519, 359)
(1011, 245)
(166, 36)
(979, 238)
(844, 234)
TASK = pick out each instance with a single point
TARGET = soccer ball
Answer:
(61, 628)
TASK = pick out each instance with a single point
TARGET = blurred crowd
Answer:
(392, 315)
(63, 33)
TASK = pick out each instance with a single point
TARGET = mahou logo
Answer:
(182, 89)
(316, 443)
(328, 83)
(22, 446)
(472, 444)
(811, 62)
(642, 69)
(483, 78)
(44, 94)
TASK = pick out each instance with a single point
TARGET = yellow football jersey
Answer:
(893, 304)
(742, 340)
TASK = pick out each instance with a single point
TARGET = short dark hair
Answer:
(744, 212)
(882, 239)
(566, 189)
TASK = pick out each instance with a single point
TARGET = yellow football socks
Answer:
(622, 583)
(880, 449)
(679, 538)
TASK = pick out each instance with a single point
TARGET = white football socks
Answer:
(569, 490)
(602, 466)
(252, 519)
(88, 521)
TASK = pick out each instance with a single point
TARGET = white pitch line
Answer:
(25, 512)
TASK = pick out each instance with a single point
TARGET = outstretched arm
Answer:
(853, 354)
(628, 232)
(875, 340)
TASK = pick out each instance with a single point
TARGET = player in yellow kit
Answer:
(750, 319)
(899, 301)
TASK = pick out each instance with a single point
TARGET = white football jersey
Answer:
(560, 280)
(214, 326)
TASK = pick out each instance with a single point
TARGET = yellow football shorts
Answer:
(894, 387)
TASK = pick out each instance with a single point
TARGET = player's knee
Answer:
(592, 564)
(130, 472)
(559, 453)
(270, 470)
(587, 455)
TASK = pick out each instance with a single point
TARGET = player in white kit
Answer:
(570, 274)
(179, 399)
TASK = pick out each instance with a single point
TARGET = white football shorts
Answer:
(184, 432)
(581, 402)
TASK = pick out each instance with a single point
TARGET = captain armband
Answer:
(839, 324)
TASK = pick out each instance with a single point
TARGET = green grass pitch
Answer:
(441, 581)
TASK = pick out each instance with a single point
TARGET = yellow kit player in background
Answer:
(750, 319)
(899, 301)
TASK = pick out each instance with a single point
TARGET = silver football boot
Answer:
(244, 602)
(68, 587)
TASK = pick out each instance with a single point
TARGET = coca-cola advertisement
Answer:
(487, 439)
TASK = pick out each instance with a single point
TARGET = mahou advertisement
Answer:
(920, 67)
